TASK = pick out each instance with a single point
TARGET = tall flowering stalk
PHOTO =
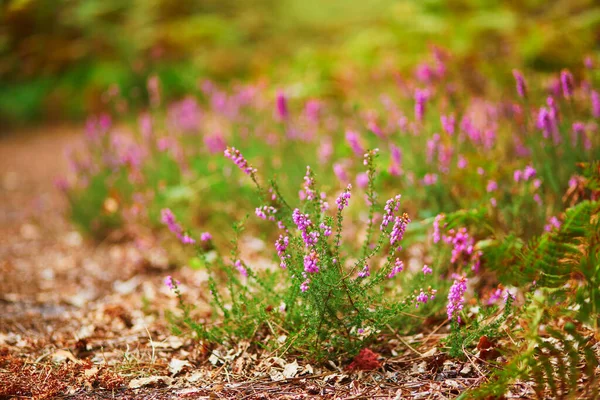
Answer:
(456, 299)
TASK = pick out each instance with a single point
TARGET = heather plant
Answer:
(329, 297)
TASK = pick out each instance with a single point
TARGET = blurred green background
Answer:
(58, 58)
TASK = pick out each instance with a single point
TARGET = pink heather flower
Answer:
(553, 223)
(492, 186)
(436, 228)
(448, 124)
(424, 73)
(495, 297)
(480, 171)
(340, 172)
(520, 83)
(595, 97)
(171, 283)
(433, 145)
(309, 183)
(205, 236)
(325, 228)
(537, 183)
(362, 180)
(282, 110)
(462, 162)
(518, 175)
(343, 199)
(391, 206)
(537, 199)
(304, 285)
(364, 272)
(354, 142)
(421, 97)
(168, 219)
(396, 160)
(399, 228)
(398, 267)
(234, 154)
(578, 131)
(430, 179)
(266, 212)
(325, 150)
(529, 172)
(312, 110)
(456, 298)
(493, 202)
(462, 244)
(567, 83)
(426, 270)
(281, 245)
(421, 298)
(589, 62)
(241, 269)
(547, 122)
(310, 263)
(215, 143)
(302, 221)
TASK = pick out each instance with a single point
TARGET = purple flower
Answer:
(205, 236)
(302, 221)
(567, 83)
(362, 180)
(215, 143)
(518, 175)
(234, 154)
(304, 285)
(448, 124)
(553, 223)
(398, 267)
(340, 172)
(595, 97)
(364, 272)
(309, 183)
(396, 160)
(426, 270)
(462, 244)
(171, 283)
(492, 186)
(266, 212)
(520, 83)
(281, 245)
(310, 263)
(168, 219)
(391, 206)
(326, 229)
(343, 199)
(241, 269)
(548, 124)
(462, 162)
(456, 298)
(436, 228)
(354, 142)
(589, 62)
(578, 131)
(422, 298)
(430, 179)
(529, 172)
(421, 97)
(399, 228)
(282, 110)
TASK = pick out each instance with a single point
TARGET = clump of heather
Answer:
(324, 290)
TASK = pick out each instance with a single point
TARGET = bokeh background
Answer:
(60, 59)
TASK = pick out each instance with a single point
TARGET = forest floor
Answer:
(83, 320)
